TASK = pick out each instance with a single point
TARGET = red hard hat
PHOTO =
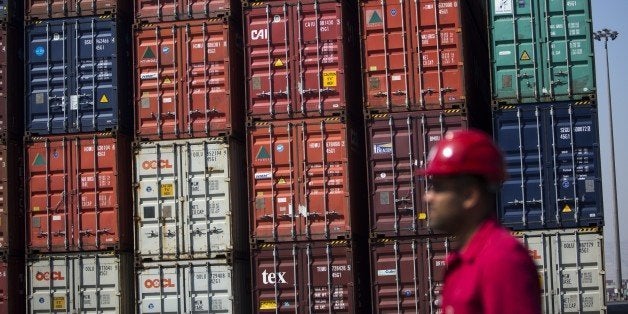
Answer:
(466, 152)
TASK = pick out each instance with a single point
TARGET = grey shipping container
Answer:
(570, 263)
(80, 283)
(552, 158)
(77, 77)
(198, 286)
(190, 199)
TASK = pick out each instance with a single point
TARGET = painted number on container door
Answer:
(167, 190)
(58, 303)
(329, 79)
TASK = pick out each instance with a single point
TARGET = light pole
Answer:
(606, 34)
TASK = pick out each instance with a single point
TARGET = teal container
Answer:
(541, 50)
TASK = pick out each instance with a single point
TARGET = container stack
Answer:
(425, 72)
(545, 121)
(305, 153)
(191, 247)
(77, 151)
(11, 152)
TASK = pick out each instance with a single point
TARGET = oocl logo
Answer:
(55, 275)
(156, 283)
(153, 164)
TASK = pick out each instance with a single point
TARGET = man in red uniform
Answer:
(491, 272)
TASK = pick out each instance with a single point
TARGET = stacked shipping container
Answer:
(189, 158)
(77, 152)
(545, 121)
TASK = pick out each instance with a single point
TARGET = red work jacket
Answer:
(492, 274)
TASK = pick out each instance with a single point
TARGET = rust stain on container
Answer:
(424, 54)
(78, 193)
(307, 179)
(171, 10)
(46, 9)
(188, 81)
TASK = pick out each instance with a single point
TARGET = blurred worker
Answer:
(491, 272)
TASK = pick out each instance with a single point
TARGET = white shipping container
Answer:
(570, 263)
(190, 199)
(195, 286)
(80, 283)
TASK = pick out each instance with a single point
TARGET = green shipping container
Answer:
(541, 50)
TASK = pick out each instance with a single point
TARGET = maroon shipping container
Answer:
(79, 193)
(427, 54)
(310, 277)
(171, 10)
(47, 9)
(397, 145)
(188, 80)
(11, 82)
(407, 274)
(12, 285)
(302, 58)
(11, 198)
(306, 180)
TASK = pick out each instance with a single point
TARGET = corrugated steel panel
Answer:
(302, 58)
(170, 10)
(198, 286)
(553, 162)
(76, 75)
(80, 283)
(408, 274)
(188, 79)
(541, 51)
(47, 9)
(11, 81)
(12, 285)
(306, 180)
(397, 145)
(79, 193)
(424, 54)
(11, 198)
(570, 263)
(309, 277)
(190, 199)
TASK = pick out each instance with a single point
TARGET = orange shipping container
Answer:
(170, 10)
(79, 193)
(188, 80)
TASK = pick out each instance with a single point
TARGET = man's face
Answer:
(445, 201)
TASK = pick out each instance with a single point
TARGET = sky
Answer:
(611, 14)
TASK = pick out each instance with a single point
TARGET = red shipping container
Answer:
(310, 277)
(397, 145)
(11, 198)
(47, 9)
(427, 54)
(307, 180)
(302, 58)
(12, 285)
(79, 193)
(171, 10)
(407, 274)
(188, 80)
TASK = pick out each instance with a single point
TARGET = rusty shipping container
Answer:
(397, 145)
(306, 180)
(11, 198)
(79, 193)
(302, 58)
(48, 9)
(407, 273)
(188, 80)
(424, 54)
(12, 285)
(170, 10)
(310, 277)
(11, 81)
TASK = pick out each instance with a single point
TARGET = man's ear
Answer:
(472, 196)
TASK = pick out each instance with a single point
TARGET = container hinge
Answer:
(266, 217)
(399, 92)
(332, 213)
(381, 94)
(103, 231)
(429, 91)
(59, 233)
(308, 91)
(559, 82)
(42, 234)
(151, 234)
(169, 233)
(326, 90)
(215, 230)
(446, 89)
(524, 75)
(85, 232)
(313, 214)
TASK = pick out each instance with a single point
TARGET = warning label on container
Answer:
(263, 175)
(267, 305)
(374, 17)
(566, 209)
(104, 99)
(262, 153)
(525, 56)
(58, 303)
(167, 81)
(422, 216)
(148, 54)
(278, 63)
(384, 148)
(330, 79)
(39, 160)
(387, 272)
(167, 189)
(148, 76)
(503, 7)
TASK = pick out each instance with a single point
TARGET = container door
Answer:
(539, 246)
(277, 283)
(158, 196)
(161, 289)
(97, 284)
(50, 285)
(208, 210)
(210, 288)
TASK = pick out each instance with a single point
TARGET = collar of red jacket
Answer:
(475, 245)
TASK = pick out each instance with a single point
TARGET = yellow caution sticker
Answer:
(525, 56)
(104, 99)
(278, 63)
(58, 303)
(330, 79)
(566, 209)
(36, 208)
(282, 181)
(167, 189)
(373, 68)
(167, 81)
(422, 216)
(267, 305)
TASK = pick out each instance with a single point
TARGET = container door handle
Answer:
(151, 234)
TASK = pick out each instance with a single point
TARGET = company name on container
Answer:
(47, 276)
(273, 278)
(153, 164)
(159, 283)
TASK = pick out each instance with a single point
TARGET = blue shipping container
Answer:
(11, 11)
(76, 75)
(553, 162)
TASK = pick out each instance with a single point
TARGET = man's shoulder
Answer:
(503, 246)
